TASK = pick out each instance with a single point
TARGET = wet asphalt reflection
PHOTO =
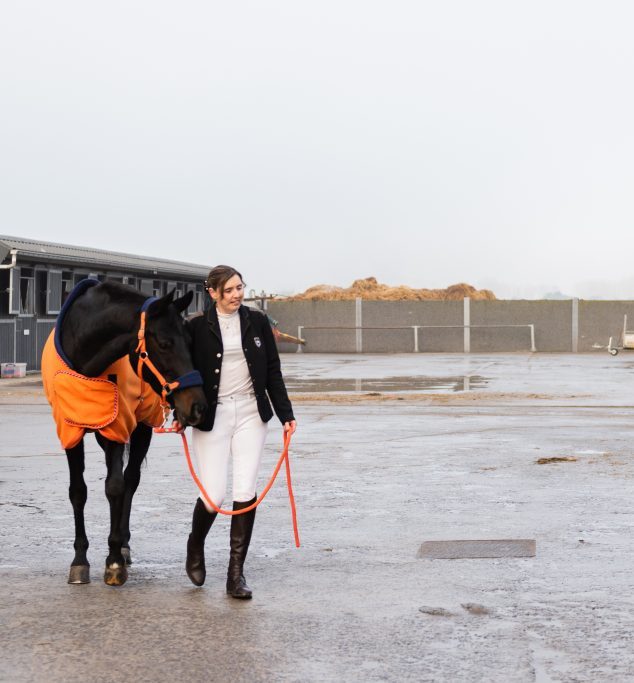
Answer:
(391, 384)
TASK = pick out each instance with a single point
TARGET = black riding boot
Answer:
(241, 528)
(201, 523)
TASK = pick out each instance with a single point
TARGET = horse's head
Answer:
(168, 348)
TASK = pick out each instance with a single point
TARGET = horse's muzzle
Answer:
(197, 413)
(190, 406)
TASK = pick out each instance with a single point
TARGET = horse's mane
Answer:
(96, 328)
(119, 292)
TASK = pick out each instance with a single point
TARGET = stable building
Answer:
(36, 277)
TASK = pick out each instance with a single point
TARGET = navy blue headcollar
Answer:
(148, 302)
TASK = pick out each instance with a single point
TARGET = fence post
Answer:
(575, 325)
(358, 324)
(299, 336)
(533, 347)
(467, 324)
(415, 337)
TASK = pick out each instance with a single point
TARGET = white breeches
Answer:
(239, 434)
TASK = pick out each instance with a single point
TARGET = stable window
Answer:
(146, 286)
(27, 291)
(54, 292)
(41, 291)
(67, 284)
(5, 290)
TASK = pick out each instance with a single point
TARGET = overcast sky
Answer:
(424, 143)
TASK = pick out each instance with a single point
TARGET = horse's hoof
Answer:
(115, 575)
(126, 555)
(79, 573)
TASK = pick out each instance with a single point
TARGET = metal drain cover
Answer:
(464, 550)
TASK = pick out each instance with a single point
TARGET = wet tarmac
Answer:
(372, 481)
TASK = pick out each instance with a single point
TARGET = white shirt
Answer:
(235, 377)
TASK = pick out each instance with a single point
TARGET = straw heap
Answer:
(368, 288)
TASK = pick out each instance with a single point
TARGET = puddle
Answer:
(390, 384)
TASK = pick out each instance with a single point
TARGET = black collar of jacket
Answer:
(212, 319)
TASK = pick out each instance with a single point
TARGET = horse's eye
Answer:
(165, 344)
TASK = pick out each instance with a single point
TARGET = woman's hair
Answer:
(219, 275)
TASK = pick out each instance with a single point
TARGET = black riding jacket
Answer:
(260, 351)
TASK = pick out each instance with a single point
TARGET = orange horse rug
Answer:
(111, 404)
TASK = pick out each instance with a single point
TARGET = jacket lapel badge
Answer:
(257, 341)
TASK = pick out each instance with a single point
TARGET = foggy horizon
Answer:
(423, 144)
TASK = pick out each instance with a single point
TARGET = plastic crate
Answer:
(12, 370)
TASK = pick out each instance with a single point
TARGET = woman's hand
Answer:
(290, 427)
(177, 426)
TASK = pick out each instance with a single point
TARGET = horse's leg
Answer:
(77, 492)
(116, 573)
(139, 445)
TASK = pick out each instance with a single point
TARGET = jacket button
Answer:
(218, 355)
(217, 371)
(215, 386)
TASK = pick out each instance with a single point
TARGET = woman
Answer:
(234, 349)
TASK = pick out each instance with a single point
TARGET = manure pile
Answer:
(369, 288)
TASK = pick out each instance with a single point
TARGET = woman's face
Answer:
(229, 300)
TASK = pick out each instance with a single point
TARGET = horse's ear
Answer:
(182, 304)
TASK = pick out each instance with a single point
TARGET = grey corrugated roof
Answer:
(51, 252)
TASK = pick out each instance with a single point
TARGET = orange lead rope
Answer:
(283, 458)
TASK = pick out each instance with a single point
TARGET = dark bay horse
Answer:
(99, 324)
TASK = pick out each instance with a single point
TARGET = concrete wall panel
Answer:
(600, 320)
(406, 314)
(552, 320)
(317, 314)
